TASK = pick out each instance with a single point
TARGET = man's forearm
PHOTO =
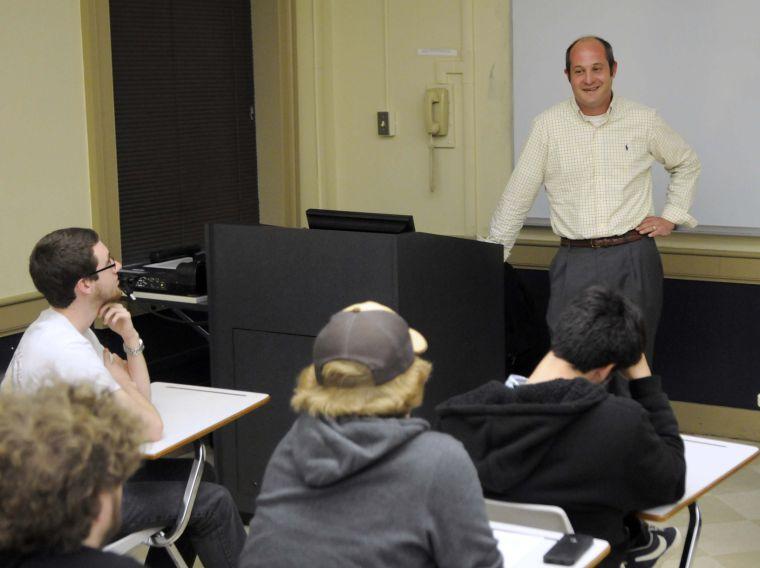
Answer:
(648, 393)
(521, 191)
(138, 371)
(658, 466)
(682, 163)
(680, 194)
(510, 214)
(135, 402)
(137, 367)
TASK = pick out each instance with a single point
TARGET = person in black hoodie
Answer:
(560, 438)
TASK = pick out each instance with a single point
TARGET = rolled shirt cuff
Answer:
(679, 218)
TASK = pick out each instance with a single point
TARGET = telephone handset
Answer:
(437, 111)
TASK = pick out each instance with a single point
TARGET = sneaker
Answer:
(650, 546)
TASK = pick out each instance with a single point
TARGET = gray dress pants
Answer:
(633, 269)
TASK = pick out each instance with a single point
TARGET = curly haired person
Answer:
(65, 452)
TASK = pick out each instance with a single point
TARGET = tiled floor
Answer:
(730, 523)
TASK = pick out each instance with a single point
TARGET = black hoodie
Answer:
(570, 443)
(84, 557)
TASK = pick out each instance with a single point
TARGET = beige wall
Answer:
(357, 57)
(44, 177)
(273, 67)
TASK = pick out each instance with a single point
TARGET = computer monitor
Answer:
(358, 221)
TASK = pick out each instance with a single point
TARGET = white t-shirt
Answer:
(597, 120)
(52, 348)
(513, 381)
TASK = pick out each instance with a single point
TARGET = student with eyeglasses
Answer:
(76, 273)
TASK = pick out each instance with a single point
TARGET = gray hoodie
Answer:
(369, 492)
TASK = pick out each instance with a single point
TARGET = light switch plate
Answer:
(386, 123)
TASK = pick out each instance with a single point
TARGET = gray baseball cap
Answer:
(371, 334)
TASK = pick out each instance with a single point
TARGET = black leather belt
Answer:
(601, 242)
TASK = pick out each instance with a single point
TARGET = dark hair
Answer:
(607, 51)
(60, 448)
(59, 260)
(599, 327)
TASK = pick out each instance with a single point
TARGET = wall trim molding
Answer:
(19, 299)
(17, 312)
(101, 123)
(685, 256)
(274, 77)
(288, 93)
(721, 421)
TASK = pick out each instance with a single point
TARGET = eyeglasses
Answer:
(113, 263)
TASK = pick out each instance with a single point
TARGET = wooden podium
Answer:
(272, 289)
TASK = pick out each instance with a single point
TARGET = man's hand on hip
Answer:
(655, 227)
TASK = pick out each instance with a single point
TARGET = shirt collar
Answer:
(613, 111)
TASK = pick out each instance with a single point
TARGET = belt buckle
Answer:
(594, 245)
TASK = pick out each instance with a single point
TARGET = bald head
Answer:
(592, 39)
(590, 74)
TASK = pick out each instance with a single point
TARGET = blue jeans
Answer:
(153, 497)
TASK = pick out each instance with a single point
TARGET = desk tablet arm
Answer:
(188, 500)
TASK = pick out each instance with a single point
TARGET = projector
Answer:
(184, 276)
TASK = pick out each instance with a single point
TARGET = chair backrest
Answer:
(133, 540)
(547, 517)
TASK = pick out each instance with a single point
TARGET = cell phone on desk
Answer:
(567, 550)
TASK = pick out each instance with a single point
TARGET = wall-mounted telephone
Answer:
(437, 111)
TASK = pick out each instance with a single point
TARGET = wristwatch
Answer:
(137, 350)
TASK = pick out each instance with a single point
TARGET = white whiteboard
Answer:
(696, 61)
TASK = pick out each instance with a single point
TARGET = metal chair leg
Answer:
(176, 557)
(161, 540)
(692, 535)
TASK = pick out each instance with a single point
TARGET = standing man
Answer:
(593, 153)
(78, 276)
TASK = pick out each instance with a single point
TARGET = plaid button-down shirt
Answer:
(598, 178)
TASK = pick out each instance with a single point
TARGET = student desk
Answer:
(523, 547)
(708, 462)
(190, 412)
